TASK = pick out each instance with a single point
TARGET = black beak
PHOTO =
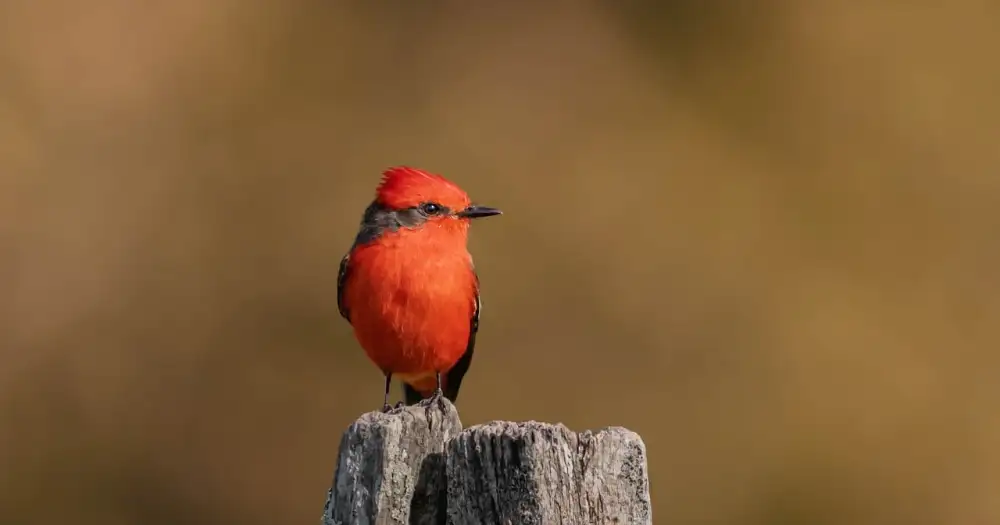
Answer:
(475, 212)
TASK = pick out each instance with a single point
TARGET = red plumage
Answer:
(410, 313)
(408, 286)
(402, 187)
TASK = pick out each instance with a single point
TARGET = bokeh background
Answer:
(765, 235)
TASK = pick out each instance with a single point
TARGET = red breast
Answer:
(411, 297)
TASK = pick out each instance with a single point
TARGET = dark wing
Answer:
(341, 280)
(453, 378)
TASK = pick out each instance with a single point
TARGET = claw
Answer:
(436, 400)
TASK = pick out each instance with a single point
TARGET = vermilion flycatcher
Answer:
(408, 286)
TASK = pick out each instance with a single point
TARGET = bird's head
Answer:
(419, 201)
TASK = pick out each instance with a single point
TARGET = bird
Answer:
(408, 286)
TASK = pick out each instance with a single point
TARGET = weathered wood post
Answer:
(415, 465)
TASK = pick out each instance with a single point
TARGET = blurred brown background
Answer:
(762, 234)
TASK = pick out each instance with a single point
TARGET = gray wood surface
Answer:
(541, 473)
(391, 467)
(417, 465)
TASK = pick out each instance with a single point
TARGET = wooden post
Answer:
(416, 465)
(391, 467)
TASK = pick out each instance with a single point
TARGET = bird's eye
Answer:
(430, 208)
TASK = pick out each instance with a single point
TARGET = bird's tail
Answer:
(423, 389)
(410, 395)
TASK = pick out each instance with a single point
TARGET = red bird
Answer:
(408, 286)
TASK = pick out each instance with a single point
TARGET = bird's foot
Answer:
(436, 399)
(386, 408)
